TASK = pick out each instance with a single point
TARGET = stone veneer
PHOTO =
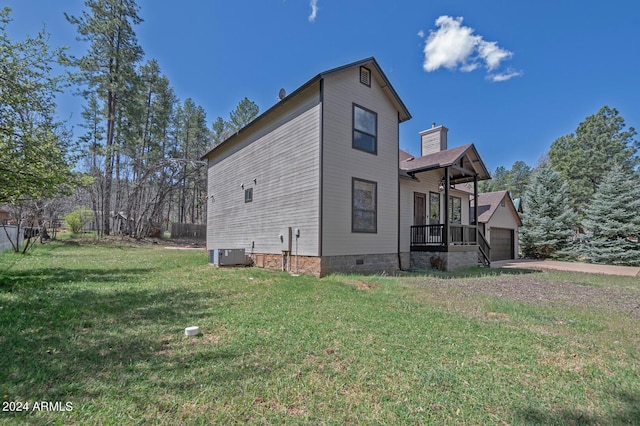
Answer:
(309, 265)
(326, 265)
(456, 257)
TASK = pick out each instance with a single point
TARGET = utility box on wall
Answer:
(227, 257)
(285, 239)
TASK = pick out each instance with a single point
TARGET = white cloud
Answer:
(314, 10)
(508, 75)
(450, 47)
(421, 34)
(492, 54)
(456, 47)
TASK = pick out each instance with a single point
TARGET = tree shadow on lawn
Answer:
(48, 277)
(62, 340)
(628, 414)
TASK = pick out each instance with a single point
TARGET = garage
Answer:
(502, 244)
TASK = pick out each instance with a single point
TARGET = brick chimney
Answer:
(434, 139)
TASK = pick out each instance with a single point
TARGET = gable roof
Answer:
(466, 155)
(377, 72)
(386, 86)
(489, 202)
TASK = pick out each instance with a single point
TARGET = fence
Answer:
(188, 230)
(5, 240)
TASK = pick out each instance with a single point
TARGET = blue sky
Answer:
(509, 76)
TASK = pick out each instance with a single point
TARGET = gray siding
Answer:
(282, 155)
(341, 163)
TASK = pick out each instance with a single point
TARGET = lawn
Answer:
(97, 333)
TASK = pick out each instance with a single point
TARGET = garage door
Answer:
(501, 244)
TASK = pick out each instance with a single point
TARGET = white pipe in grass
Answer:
(192, 331)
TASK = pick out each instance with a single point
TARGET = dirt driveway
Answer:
(589, 268)
(536, 287)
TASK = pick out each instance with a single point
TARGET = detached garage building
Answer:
(499, 222)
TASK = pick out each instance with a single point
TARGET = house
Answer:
(499, 221)
(435, 204)
(318, 184)
(517, 203)
(5, 215)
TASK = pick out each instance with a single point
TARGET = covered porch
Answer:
(447, 232)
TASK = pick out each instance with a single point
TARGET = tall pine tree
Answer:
(613, 219)
(548, 221)
(108, 69)
(584, 158)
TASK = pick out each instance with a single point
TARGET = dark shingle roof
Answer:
(489, 202)
(449, 157)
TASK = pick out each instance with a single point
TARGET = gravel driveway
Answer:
(540, 288)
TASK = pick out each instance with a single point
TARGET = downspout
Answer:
(399, 213)
(320, 168)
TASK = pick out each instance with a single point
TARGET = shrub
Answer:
(77, 219)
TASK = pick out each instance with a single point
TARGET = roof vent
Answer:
(365, 76)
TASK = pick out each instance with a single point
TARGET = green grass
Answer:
(102, 327)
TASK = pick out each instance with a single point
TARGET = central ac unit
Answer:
(227, 257)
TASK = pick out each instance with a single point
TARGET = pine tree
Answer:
(584, 158)
(514, 180)
(244, 113)
(613, 219)
(548, 221)
(108, 69)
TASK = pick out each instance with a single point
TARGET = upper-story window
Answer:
(365, 130)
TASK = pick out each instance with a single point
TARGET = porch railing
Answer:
(485, 250)
(463, 234)
(422, 235)
(425, 235)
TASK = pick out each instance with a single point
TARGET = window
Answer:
(364, 211)
(455, 210)
(434, 208)
(365, 76)
(365, 130)
(248, 195)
